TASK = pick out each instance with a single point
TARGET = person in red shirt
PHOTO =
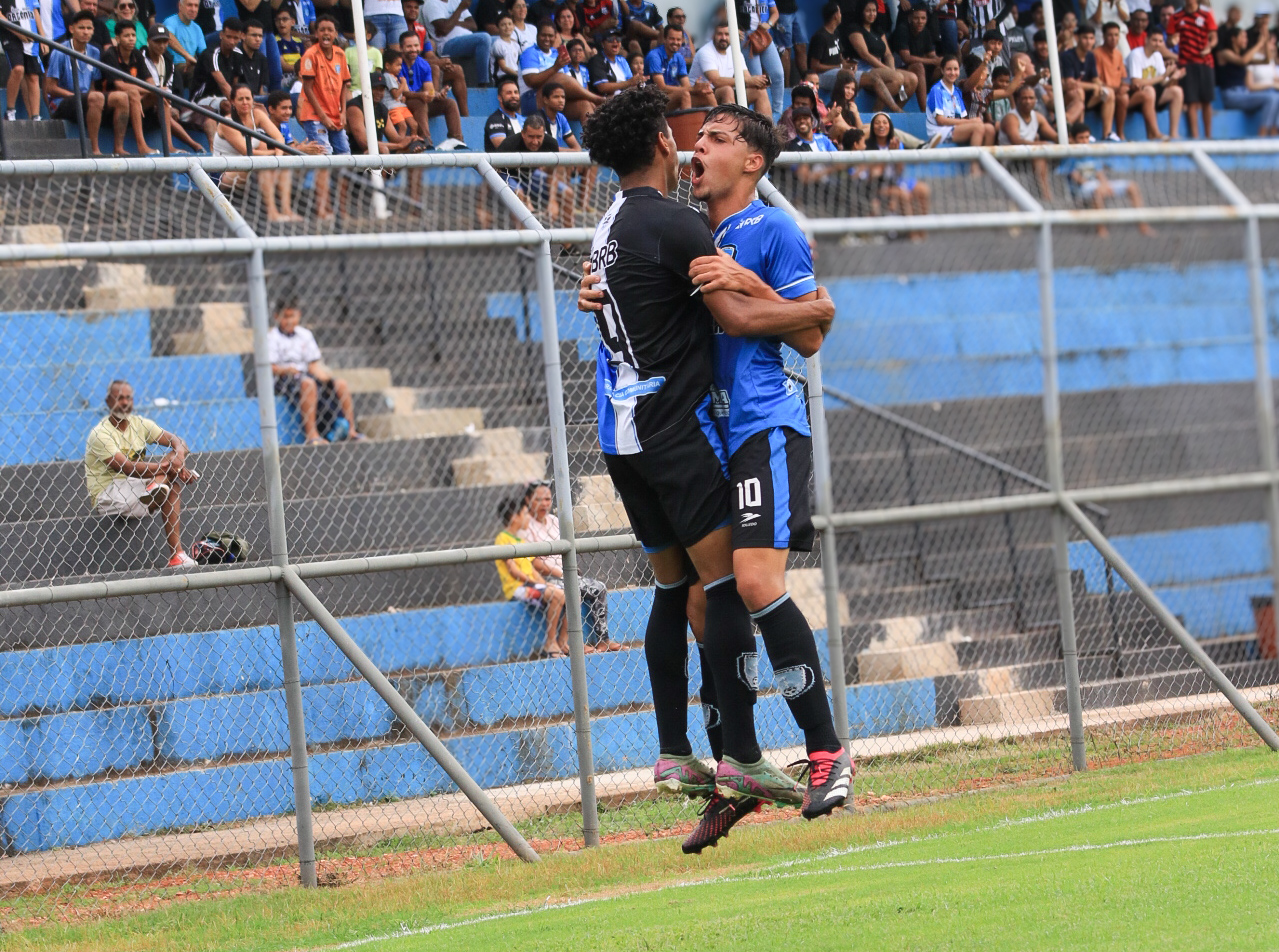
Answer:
(1195, 30)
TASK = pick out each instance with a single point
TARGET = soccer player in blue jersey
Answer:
(763, 421)
(661, 446)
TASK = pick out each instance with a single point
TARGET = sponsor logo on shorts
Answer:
(749, 519)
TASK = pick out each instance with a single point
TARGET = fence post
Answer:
(1264, 388)
(1057, 481)
(830, 565)
(265, 382)
(572, 582)
(280, 557)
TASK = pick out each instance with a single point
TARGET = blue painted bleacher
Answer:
(1207, 576)
(59, 366)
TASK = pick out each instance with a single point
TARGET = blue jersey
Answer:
(752, 392)
(672, 67)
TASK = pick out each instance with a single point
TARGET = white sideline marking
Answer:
(780, 870)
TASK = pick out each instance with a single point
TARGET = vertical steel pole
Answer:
(280, 556)
(572, 584)
(1265, 395)
(1054, 70)
(1057, 480)
(366, 104)
(830, 565)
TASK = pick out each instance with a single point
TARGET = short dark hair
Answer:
(286, 11)
(505, 15)
(545, 22)
(1000, 71)
(850, 138)
(233, 24)
(122, 25)
(250, 24)
(328, 18)
(507, 81)
(671, 11)
(1041, 36)
(574, 43)
(277, 97)
(803, 91)
(669, 28)
(1078, 129)
(1084, 29)
(829, 10)
(947, 57)
(406, 34)
(534, 121)
(508, 508)
(80, 17)
(391, 53)
(550, 87)
(759, 133)
(991, 35)
(1109, 26)
(623, 131)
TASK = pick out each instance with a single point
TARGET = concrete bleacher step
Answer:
(223, 330)
(597, 507)
(412, 424)
(1009, 702)
(498, 458)
(122, 287)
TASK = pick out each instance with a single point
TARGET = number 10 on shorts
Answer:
(749, 494)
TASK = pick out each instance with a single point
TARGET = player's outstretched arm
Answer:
(742, 316)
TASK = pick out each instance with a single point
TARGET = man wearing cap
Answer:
(162, 67)
(610, 73)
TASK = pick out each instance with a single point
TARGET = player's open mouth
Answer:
(696, 167)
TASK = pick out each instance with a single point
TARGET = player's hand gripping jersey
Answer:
(752, 392)
(654, 364)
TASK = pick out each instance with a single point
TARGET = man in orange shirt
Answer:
(1112, 73)
(326, 86)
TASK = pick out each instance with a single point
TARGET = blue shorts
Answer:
(770, 496)
(334, 142)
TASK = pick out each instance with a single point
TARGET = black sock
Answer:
(734, 662)
(710, 707)
(666, 650)
(792, 651)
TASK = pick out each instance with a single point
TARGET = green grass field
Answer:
(1177, 854)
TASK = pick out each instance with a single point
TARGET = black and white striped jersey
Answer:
(654, 364)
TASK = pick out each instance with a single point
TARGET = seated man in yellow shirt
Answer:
(522, 583)
(120, 479)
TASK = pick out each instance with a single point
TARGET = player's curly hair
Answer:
(622, 133)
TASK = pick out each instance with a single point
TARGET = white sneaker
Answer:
(183, 561)
(1113, 137)
(451, 145)
(934, 141)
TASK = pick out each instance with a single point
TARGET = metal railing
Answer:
(1070, 507)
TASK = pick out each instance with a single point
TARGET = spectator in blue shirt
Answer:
(643, 26)
(557, 126)
(667, 71)
(58, 86)
(541, 62)
(186, 39)
(423, 95)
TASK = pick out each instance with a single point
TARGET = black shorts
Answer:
(328, 408)
(677, 491)
(66, 108)
(13, 52)
(772, 506)
(1199, 84)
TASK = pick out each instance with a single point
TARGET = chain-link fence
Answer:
(1045, 476)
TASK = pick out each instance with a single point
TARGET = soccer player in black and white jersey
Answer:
(661, 447)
